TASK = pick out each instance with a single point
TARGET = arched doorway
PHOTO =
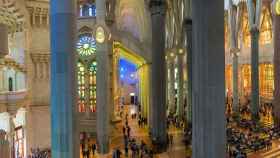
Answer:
(139, 79)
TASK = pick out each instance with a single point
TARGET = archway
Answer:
(130, 58)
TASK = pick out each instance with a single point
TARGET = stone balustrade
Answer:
(12, 97)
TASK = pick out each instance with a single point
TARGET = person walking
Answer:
(128, 131)
(171, 139)
(93, 148)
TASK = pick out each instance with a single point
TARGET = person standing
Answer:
(123, 130)
(126, 150)
(128, 131)
(93, 148)
(171, 139)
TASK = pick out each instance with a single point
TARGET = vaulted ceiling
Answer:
(132, 16)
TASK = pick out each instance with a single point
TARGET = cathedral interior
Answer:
(139, 78)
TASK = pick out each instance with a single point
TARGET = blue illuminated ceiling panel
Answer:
(128, 72)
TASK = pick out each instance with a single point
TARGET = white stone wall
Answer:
(17, 77)
(38, 127)
(39, 66)
(17, 46)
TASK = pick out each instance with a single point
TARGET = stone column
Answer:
(17, 78)
(180, 102)
(4, 145)
(235, 81)
(188, 31)
(115, 83)
(255, 70)
(1, 78)
(208, 97)
(171, 85)
(102, 98)
(4, 49)
(276, 101)
(102, 84)
(234, 26)
(158, 107)
(5, 80)
(254, 13)
(64, 139)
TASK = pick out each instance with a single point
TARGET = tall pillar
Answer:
(208, 97)
(171, 85)
(102, 97)
(234, 24)
(115, 83)
(188, 29)
(102, 82)
(4, 31)
(255, 70)
(4, 145)
(235, 81)
(158, 107)
(276, 29)
(144, 85)
(254, 12)
(64, 138)
(180, 102)
(1, 78)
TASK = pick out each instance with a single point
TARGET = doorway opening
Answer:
(131, 81)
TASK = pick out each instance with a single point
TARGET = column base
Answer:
(159, 146)
(103, 148)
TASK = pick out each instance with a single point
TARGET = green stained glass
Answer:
(81, 86)
(92, 85)
(86, 45)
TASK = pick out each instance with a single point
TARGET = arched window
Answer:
(86, 45)
(88, 9)
(266, 80)
(81, 87)
(10, 84)
(86, 48)
(246, 74)
(266, 28)
(92, 86)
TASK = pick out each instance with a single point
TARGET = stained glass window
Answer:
(92, 86)
(246, 73)
(81, 87)
(87, 10)
(268, 80)
(86, 45)
(266, 28)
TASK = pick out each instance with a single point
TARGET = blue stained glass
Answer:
(86, 45)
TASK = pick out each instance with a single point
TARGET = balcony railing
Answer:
(12, 97)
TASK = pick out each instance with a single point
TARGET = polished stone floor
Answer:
(177, 150)
(273, 153)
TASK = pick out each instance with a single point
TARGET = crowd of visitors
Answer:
(246, 136)
(40, 153)
(88, 148)
(132, 147)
